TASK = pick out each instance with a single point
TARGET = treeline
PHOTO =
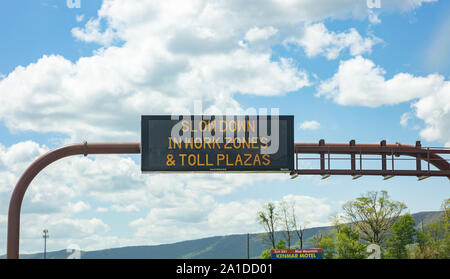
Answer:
(371, 226)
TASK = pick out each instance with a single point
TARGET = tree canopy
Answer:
(373, 215)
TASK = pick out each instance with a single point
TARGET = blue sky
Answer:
(88, 73)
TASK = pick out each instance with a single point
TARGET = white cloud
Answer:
(317, 40)
(150, 63)
(78, 207)
(312, 211)
(373, 17)
(91, 33)
(434, 110)
(404, 118)
(102, 97)
(126, 208)
(310, 125)
(403, 5)
(212, 218)
(79, 18)
(89, 232)
(256, 34)
(360, 82)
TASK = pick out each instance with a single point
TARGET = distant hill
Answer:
(225, 247)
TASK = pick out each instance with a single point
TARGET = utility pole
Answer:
(248, 246)
(45, 236)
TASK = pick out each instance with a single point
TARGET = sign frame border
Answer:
(289, 135)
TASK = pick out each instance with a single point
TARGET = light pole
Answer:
(248, 245)
(45, 236)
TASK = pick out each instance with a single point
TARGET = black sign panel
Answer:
(217, 143)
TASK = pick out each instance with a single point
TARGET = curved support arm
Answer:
(38, 165)
(134, 148)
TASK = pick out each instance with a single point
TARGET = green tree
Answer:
(433, 239)
(373, 215)
(422, 250)
(428, 245)
(348, 244)
(342, 243)
(328, 245)
(403, 233)
(281, 244)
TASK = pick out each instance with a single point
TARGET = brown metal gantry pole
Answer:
(430, 156)
(39, 164)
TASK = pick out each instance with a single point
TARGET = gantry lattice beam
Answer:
(436, 164)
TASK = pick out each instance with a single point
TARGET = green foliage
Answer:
(328, 245)
(373, 215)
(446, 219)
(426, 247)
(403, 233)
(433, 239)
(343, 244)
(370, 218)
(349, 246)
(266, 254)
(281, 244)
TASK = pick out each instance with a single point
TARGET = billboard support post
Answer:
(38, 165)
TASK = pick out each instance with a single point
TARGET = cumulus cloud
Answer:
(77, 207)
(63, 232)
(92, 33)
(150, 63)
(359, 82)
(310, 125)
(313, 211)
(404, 118)
(403, 5)
(256, 34)
(102, 97)
(434, 110)
(317, 40)
(225, 218)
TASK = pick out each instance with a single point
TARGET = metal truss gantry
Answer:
(358, 153)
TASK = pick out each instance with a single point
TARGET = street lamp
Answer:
(45, 235)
